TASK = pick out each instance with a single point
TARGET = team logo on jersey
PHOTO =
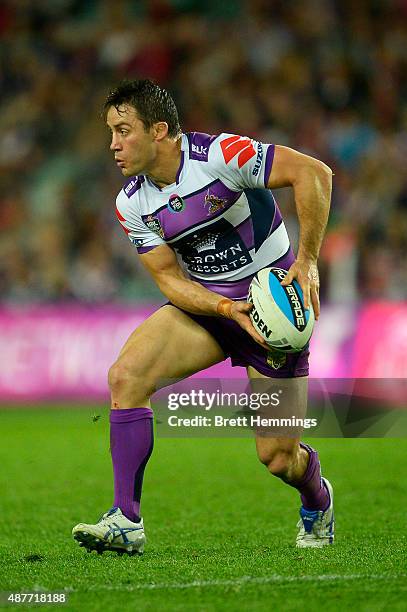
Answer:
(154, 225)
(214, 203)
(175, 204)
(276, 359)
(236, 145)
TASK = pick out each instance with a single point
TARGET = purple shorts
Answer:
(244, 351)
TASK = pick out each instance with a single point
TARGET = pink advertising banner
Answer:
(49, 353)
(380, 348)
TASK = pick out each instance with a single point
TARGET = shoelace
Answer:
(107, 515)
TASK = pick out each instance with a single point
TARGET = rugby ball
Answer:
(278, 312)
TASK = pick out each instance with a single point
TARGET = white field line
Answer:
(242, 580)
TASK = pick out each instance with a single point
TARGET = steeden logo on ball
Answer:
(278, 311)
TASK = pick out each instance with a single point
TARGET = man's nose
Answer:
(115, 144)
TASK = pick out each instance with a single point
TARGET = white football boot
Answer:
(317, 527)
(113, 531)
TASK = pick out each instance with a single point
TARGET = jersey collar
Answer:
(180, 171)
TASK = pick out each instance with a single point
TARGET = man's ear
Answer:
(160, 130)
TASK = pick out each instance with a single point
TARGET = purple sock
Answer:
(314, 494)
(131, 444)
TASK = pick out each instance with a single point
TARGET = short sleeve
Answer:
(244, 162)
(144, 236)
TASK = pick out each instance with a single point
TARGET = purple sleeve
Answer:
(141, 250)
(268, 164)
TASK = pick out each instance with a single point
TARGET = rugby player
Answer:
(199, 211)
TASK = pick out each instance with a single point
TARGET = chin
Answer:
(129, 172)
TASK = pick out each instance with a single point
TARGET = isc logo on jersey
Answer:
(278, 312)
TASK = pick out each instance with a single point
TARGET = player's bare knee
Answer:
(279, 461)
(281, 464)
(117, 377)
(123, 377)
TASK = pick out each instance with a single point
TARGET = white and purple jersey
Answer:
(220, 219)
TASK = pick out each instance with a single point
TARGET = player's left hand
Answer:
(306, 273)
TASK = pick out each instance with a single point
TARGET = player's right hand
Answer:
(240, 313)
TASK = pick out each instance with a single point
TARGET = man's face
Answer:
(134, 148)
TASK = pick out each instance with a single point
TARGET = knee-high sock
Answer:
(314, 494)
(131, 444)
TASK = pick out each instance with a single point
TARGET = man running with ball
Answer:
(199, 210)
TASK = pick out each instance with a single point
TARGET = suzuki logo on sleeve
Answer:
(236, 145)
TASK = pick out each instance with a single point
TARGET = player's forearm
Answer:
(312, 189)
(190, 296)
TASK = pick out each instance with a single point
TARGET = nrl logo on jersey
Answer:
(214, 203)
(154, 225)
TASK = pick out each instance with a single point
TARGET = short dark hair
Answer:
(151, 102)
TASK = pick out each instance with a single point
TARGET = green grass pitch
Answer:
(220, 529)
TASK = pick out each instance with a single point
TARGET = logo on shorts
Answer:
(276, 359)
(154, 225)
(175, 204)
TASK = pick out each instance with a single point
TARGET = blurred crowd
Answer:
(326, 77)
